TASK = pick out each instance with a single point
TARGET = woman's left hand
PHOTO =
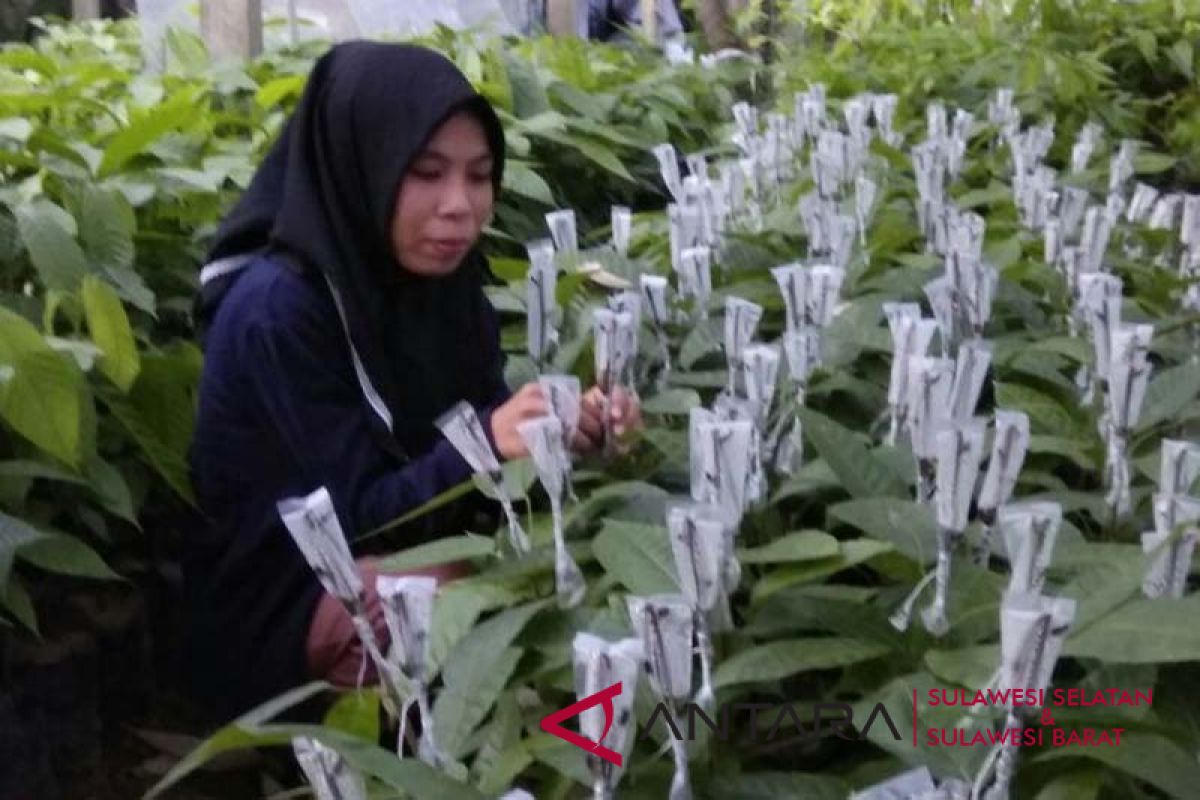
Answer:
(626, 418)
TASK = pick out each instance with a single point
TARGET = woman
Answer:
(345, 313)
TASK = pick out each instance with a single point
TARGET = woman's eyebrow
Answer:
(437, 155)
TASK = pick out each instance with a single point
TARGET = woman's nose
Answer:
(456, 198)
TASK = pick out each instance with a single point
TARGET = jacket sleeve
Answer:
(306, 391)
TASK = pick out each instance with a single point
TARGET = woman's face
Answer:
(446, 198)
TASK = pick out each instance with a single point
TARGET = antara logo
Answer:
(825, 718)
(550, 724)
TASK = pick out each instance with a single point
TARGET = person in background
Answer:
(344, 312)
(608, 19)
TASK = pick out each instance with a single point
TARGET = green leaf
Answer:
(231, 738)
(699, 342)
(509, 269)
(82, 352)
(636, 501)
(778, 786)
(562, 756)
(274, 92)
(1072, 347)
(1073, 449)
(1046, 415)
(1150, 757)
(131, 287)
(440, 551)
(111, 489)
(10, 242)
(519, 475)
(1003, 253)
(461, 707)
(796, 546)
(604, 157)
(1072, 786)
(1091, 502)
(918, 261)
(708, 379)
(814, 476)
(48, 232)
(858, 469)
(995, 193)
(22, 57)
(456, 610)
(638, 556)
(854, 552)
(1169, 393)
(1146, 44)
(357, 713)
(519, 177)
(587, 107)
(187, 53)
(181, 180)
(827, 386)
(813, 608)
(1183, 55)
(47, 399)
(17, 602)
(106, 228)
(66, 555)
(1142, 631)
(412, 777)
(111, 332)
(502, 756)
(855, 328)
(970, 667)
(672, 444)
(1100, 584)
(528, 95)
(1152, 163)
(147, 128)
(169, 464)
(476, 673)
(14, 494)
(678, 402)
(907, 525)
(165, 391)
(775, 660)
(18, 468)
(15, 534)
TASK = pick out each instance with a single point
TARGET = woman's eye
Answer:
(483, 177)
(425, 173)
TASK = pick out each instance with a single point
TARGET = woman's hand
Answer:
(626, 418)
(527, 403)
(530, 403)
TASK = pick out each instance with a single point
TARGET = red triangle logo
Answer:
(550, 723)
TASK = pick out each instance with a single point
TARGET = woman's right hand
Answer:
(527, 403)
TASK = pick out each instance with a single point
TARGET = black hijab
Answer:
(323, 198)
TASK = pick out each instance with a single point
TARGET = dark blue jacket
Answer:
(281, 413)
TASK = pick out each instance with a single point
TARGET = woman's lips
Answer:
(448, 248)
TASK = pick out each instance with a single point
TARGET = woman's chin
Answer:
(432, 267)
